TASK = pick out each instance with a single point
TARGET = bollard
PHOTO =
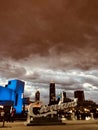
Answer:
(73, 116)
(92, 116)
(3, 120)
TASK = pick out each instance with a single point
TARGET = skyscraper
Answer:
(79, 95)
(52, 96)
(64, 96)
(37, 96)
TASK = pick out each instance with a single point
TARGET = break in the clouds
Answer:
(49, 40)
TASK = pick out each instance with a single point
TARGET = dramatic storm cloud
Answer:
(44, 40)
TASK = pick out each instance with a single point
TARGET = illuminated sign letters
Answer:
(46, 110)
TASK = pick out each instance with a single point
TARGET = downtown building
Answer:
(79, 94)
(37, 96)
(12, 95)
(52, 93)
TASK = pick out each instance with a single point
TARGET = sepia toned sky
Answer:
(44, 40)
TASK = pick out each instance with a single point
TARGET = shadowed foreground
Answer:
(69, 125)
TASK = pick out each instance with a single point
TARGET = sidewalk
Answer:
(15, 124)
(80, 122)
(20, 124)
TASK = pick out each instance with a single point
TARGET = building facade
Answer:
(37, 96)
(52, 95)
(12, 94)
(79, 94)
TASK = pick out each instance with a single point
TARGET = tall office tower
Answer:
(79, 95)
(64, 96)
(52, 96)
(37, 96)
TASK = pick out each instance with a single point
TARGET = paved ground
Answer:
(69, 125)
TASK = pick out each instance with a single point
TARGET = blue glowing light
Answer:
(13, 92)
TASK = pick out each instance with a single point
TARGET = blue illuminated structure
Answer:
(12, 94)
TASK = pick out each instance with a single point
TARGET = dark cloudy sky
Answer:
(44, 40)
